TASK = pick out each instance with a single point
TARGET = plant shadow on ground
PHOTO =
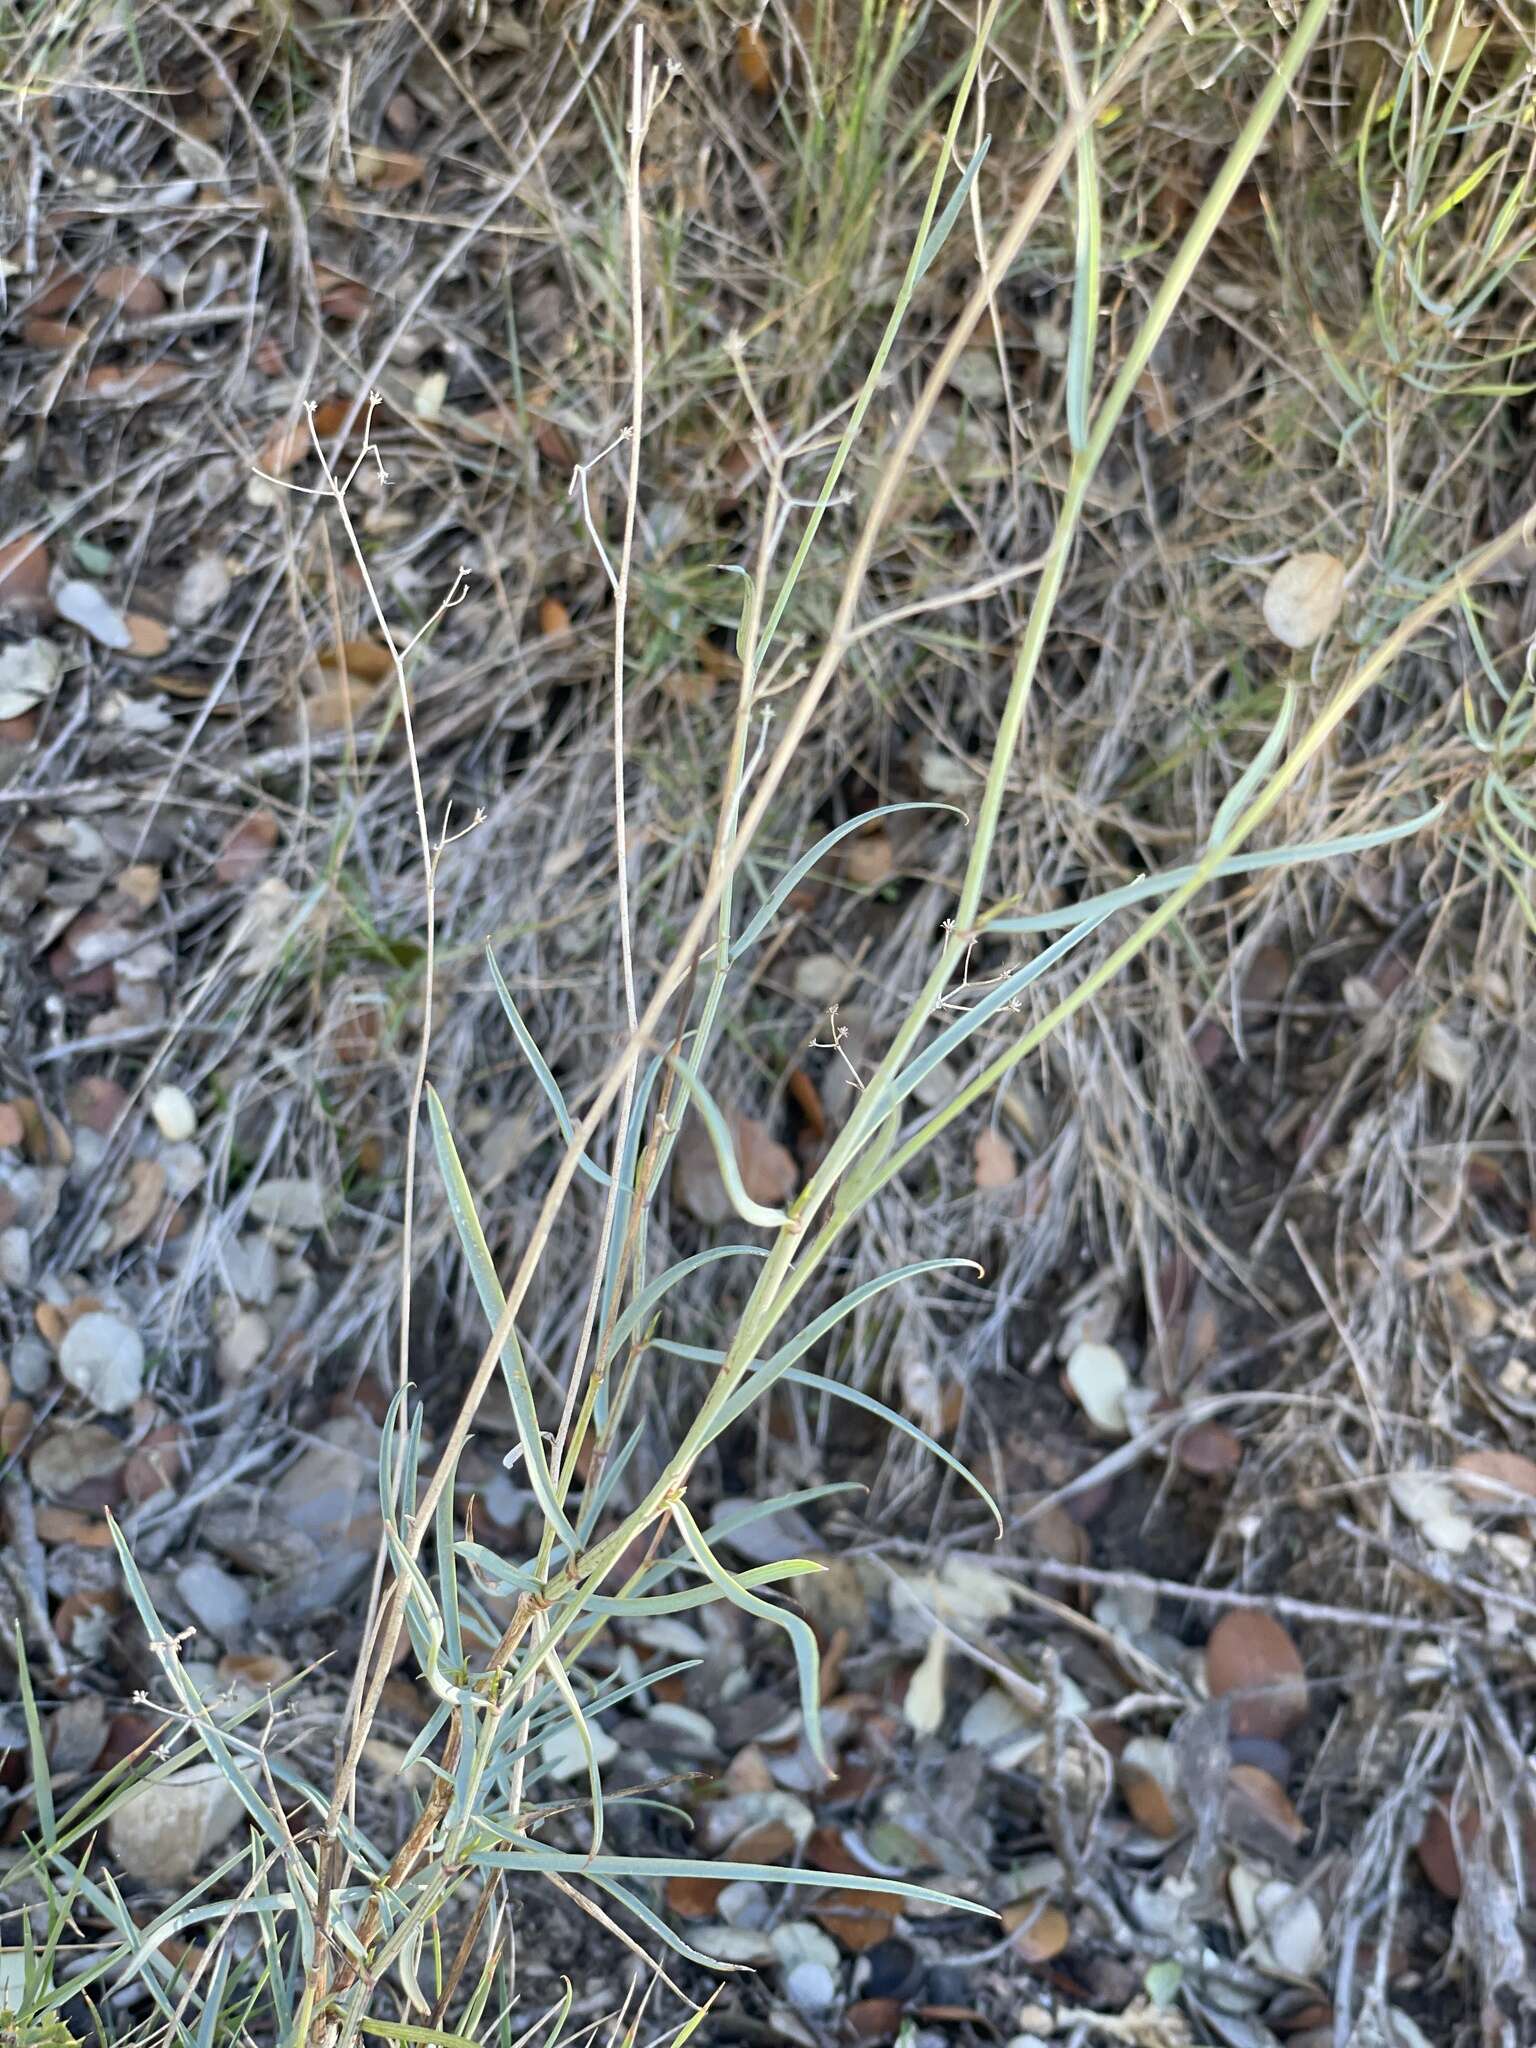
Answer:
(1278, 1170)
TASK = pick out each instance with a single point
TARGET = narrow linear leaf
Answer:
(1240, 795)
(822, 1383)
(623, 1896)
(940, 232)
(719, 1131)
(208, 1733)
(482, 1267)
(42, 1776)
(578, 1719)
(1238, 864)
(656, 1869)
(639, 1311)
(793, 877)
(997, 998)
(541, 1073)
(802, 1641)
(1085, 294)
(772, 1369)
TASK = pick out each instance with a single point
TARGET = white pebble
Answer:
(171, 1108)
(103, 1358)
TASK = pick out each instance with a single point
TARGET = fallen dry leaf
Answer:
(856, 1921)
(365, 660)
(553, 616)
(24, 571)
(1252, 1794)
(1497, 1479)
(768, 1171)
(874, 2019)
(346, 301)
(59, 289)
(997, 1164)
(387, 170)
(150, 638)
(136, 381)
(1148, 1777)
(134, 290)
(1039, 1931)
(1251, 1662)
(245, 852)
(1210, 1450)
(52, 334)
(753, 65)
(140, 1204)
(870, 859)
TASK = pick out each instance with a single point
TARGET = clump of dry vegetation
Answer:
(827, 713)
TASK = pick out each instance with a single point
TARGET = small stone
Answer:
(31, 1365)
(292, 1204)
(250, 1267)
(820, 978)
(15, 1257)
(332, 1482)
(103, 1358)
(29, 672)
(83, 1455)
(204, 586)
(214, 1598)
(243, 1345)
(162, 1832)
(1304, 597)
(84, 606)
(186, 1168)
(1099, 1379)
(811, 1987)
(174, 1116)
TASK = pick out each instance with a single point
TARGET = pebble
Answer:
(84, 606)
(171, 1108)
(214, 1598)
(15, 1257)
(250, 1267)
(243, 1345)
(102, 1357)
(294, 1204)
(162, 1832)
(186, 1168)
(31, 1365)
(72, 1457)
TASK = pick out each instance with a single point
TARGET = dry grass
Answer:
(1286, 1156)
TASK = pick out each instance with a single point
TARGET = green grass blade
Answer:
(775, 1367)
(970, 1020)
(208, 1732)
(534, 1857)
